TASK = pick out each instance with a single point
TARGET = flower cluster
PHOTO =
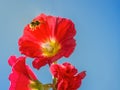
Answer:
(46, 39)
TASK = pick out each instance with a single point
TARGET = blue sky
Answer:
(98, 37)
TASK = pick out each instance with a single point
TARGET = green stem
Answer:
(47, 86)
(54, 80)
(54, 83)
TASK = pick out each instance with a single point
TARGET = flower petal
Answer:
(12, 60)
(39, 62)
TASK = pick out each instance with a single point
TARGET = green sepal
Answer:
(36, 85)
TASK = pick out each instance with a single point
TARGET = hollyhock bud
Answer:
(67, 76)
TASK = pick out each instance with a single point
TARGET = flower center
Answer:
(50, 48)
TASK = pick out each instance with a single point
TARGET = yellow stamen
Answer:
(50, 48)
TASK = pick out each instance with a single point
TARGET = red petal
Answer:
(82, 74)
(64, 29)
(39, 62)
(29, 48)
(12, 60)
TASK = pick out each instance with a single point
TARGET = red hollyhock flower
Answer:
(22, 77)
(67, 76)
(47, 38)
